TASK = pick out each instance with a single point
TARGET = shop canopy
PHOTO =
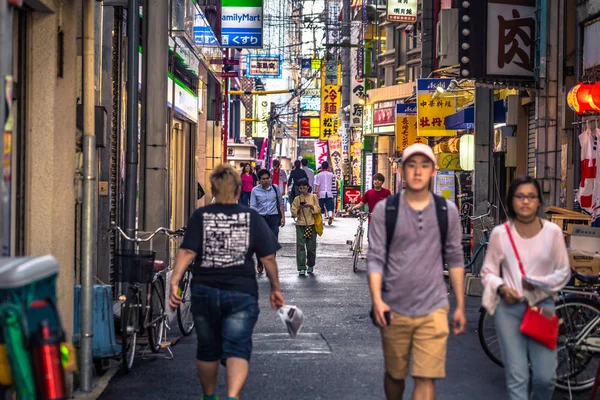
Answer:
(465, 119)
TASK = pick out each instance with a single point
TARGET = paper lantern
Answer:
(584, 97)
(467, 152)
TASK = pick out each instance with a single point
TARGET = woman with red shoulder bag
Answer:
(525, 266)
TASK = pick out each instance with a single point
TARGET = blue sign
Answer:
(430, 85)
(264, 66)
(242, 23)
(306, 63)
(248, 37)
(203, 33)
(409, 109)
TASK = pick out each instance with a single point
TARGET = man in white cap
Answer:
(412, 236)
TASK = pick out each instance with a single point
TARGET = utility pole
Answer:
(132, 155)
(225, 132)
(272, 116)
(345, 85)
(89, 214)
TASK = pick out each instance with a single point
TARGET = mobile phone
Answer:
(388, 317)
(302, 203)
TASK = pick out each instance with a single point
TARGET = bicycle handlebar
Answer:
(165, 231)
(490, 206)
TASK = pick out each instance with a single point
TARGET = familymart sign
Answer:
(242, 23)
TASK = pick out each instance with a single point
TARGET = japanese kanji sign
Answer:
(356, 77)
(356, 150)
(402, 10)
(264, 66)
(330, 104)
(432, 112)
(406, 126)
(511, 38)
(321, 152)
(242, 23)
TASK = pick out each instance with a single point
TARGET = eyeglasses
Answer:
(522, 197)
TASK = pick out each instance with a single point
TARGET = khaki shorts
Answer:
(423, 337)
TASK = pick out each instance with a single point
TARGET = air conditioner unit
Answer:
(511, 103)
(447, 37)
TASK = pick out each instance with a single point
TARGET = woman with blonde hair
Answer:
(222, 238)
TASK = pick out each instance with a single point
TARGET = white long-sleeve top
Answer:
(544, 258)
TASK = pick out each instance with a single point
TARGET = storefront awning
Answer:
(465, 119)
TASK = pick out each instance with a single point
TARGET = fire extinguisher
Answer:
(47, 363)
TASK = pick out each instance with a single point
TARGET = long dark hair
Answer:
(512, 189)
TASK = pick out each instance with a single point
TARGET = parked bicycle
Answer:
(578, 350)
(487, 225)
(356, 245)
(138, 268)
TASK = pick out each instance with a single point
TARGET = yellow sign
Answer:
(448, 161)
(432, 112)
(330, 104)
(406, 126)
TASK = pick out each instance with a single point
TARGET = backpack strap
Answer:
(441, 210)
(392, 204)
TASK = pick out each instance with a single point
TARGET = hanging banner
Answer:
(406, 126)
(345, 136)
(335, 152)
(321, 152)
(356, 80)
(333, 25)
(356, 150)
(432, 112)
(368, 120)
(402, 10)
(242, 23)
(262, 114)
(330, 105)
(368, 171)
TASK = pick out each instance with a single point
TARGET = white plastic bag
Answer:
(293, 319)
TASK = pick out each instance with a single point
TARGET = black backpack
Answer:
(392, 204)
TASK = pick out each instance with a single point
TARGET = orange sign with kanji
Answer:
(406, 126)
(331, 99)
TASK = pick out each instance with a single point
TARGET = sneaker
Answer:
(310, 270)
(302, 273)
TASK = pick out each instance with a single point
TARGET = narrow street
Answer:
(336, 356)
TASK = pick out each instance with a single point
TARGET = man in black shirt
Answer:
(222, 239)
(296, 174)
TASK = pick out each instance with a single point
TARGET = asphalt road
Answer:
(338, 353)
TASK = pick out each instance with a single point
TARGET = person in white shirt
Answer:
(310, 174)
(323, 188)
(541, 248)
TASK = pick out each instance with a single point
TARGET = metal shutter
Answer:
(531, 140)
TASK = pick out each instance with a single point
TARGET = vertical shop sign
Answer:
(406, 126)
(334, 7)
(368, 171)
(330, 105)
(356, 162)
(335, 152)
(321, 152)
(368, 120)
(345, 136)
(356, 79)
(262, 112)
(511, 38)
(432, 112)
(402, 10)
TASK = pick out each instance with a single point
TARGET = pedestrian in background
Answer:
(412, 311)
(249, 180)
(222, 238)
(266, 199)
(279, 178)
(310, 174)
(324, 189)
(373, 195)
(304, 208)
(541, 248)
(296, 174)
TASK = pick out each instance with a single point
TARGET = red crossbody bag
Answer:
(536, 325)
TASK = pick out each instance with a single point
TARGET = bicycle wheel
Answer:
(357, 251)
(488, 337)
(185, 319)
(129, 328)
(157, 313)
(577, 364)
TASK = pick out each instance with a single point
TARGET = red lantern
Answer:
(584, 97)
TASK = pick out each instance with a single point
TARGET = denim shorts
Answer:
(224, 321)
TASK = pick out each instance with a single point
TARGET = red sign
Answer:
(16, 3)
(231, 61)
(305, 127)
(310, 127)
(352, 195)
(230, 74)
(384, 116)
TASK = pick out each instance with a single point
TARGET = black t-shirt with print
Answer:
(225, 237)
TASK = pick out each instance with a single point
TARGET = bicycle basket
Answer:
(135, 267)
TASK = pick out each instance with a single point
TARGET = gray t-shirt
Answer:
(413, 283)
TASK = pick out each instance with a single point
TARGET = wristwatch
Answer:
(499, 290)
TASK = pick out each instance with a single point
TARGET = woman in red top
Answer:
(249, 180)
